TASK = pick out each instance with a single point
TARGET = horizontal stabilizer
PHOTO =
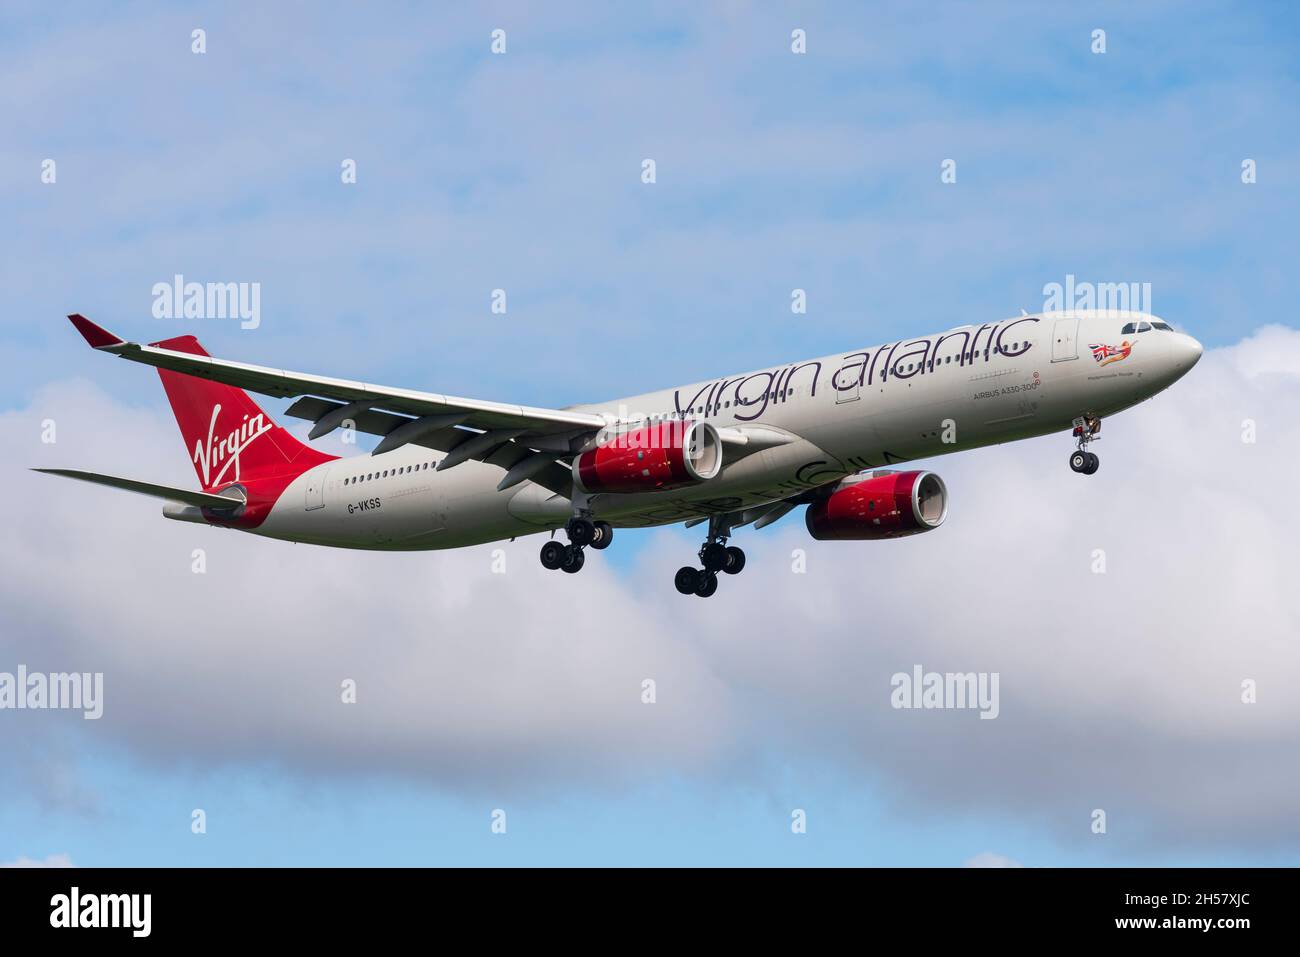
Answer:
(182, 495)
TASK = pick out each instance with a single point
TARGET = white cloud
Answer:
(989, 859)
(1118, 691)
(463, 675)
(54, 860)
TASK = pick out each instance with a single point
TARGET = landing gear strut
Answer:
(716, 556)
(1087, 429)
(582, 532)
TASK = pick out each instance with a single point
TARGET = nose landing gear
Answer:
(715, 556)
(582, 531)
(1087, 429)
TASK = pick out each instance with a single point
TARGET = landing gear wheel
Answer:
(552, 555)
(707, 585)
(573, 559)
(1079, 461)
(1094, 463)
(604, 534)
(581, 531)
(686, 580)
(713, 557)
(735, 560)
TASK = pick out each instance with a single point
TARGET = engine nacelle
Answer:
(879, 505)
(653, 458)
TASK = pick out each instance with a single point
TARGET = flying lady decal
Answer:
(1105, 354)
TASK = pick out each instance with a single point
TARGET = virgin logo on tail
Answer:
(226, 450)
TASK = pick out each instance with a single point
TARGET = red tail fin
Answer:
(230, 439)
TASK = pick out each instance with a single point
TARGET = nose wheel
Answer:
(1084, 462)
(715, 556)
(1087, 428)
(582, 532)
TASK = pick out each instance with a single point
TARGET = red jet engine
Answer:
(653, 458)
(879, 505)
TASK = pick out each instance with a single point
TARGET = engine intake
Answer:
(666, 455)
(879, 505)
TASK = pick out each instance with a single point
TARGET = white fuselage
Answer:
(918, 398)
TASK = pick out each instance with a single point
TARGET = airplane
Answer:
(739, 450)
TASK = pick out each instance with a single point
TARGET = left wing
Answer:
(523, 440)
(463, 428)
(281, 383)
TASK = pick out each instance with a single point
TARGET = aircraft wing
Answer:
(525, 441)
(350, 399)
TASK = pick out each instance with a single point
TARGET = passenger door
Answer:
(1065, 340)
(315, 494)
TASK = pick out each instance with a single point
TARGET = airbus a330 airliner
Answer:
(735, 451)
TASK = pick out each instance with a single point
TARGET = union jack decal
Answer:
(1106, 354)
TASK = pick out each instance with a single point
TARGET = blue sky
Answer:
(522, 172)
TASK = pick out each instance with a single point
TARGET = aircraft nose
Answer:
(1184, 352)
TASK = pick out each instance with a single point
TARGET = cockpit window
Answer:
(1132, 327)
(1157, 324)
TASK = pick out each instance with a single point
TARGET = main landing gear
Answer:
(582, 532)
(1087, 429)
(716, 556)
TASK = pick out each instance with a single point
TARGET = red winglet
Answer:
(97, 337)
